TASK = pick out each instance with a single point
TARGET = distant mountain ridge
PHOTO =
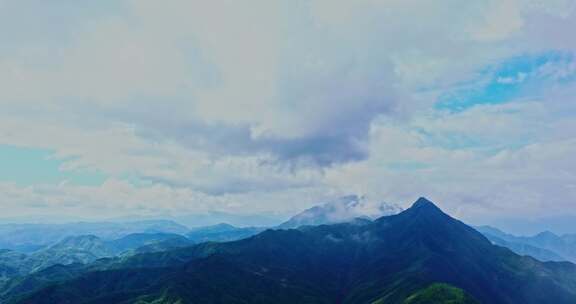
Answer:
(393, 259)
(75, 249)
(545, 246)
(343, 209)
(222, 233)
(28, 238)
(84, 249)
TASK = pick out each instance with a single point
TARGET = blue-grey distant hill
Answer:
(28, 238)
(545, 246)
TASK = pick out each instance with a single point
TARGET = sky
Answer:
(139, 107)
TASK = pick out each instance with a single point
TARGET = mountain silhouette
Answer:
(391, 260)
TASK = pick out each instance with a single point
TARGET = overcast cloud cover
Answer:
(140, 107)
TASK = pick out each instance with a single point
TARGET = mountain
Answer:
(83, 250)
(75, 249)
(540, 254)
(563, 245)
(345, 209)
(497, 237)
(28, 238)
(545, 246)
(136, 240)
(341, 210)
(86, 249)
(72, 250)
(221, 233)
(11, 264)
(21, 285)
(214, 217)
(559, 224)
(168, 242)
(394, 259)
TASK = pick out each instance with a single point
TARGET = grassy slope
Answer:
(440, 293)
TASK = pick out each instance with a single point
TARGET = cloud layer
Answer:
(188, 106)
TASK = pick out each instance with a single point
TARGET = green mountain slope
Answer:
(439, 293)
(388, 260)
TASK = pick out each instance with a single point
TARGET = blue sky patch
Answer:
(30, 166)
(516, 78)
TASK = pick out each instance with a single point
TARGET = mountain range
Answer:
(341, 210)
(28, 238)
(222, 233)
(545, 246)
(84, 249)
(420, 255)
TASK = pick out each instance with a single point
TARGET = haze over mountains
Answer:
(414, 256)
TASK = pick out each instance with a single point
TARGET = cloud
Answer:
(504, 19)
(304, 77)
(119, 198)
(519, 78)
(488, 161)
(274, 105)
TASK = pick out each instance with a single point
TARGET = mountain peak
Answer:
(223, 226)
(423, 206)
(423, 202)
(547, 235)
(341, 210)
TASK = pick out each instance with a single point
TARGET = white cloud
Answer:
(208, 101)
(535, 177)
(519, 78)
(504, 19)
